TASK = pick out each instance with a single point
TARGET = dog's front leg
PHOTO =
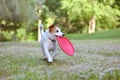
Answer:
(48, 55)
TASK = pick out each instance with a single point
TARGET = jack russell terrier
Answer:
(48, 41)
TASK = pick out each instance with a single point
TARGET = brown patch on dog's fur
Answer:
(51, 28)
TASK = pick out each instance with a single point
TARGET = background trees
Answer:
(17, 18)
(19, 21)
(80, 12)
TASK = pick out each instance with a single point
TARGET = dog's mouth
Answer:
(60, 35)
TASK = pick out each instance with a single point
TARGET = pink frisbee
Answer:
(66, 45)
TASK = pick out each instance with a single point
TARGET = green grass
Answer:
(110, 34)
(93, 60)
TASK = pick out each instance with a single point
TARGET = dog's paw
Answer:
(50, 60)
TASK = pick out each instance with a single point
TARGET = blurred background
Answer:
(20, 19)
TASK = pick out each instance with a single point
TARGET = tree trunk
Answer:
(39, 34)
(39, 20)
(92, 25)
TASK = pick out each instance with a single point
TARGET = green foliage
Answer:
(72, 15)
(50, 12)
(4, 36)
(83, 10)
(21, 14)
(21, 33)
(16, 11)
(31, 37)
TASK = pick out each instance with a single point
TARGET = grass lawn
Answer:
(93, 60)
(110, 34)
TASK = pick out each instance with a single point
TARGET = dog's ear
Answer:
(51, 28)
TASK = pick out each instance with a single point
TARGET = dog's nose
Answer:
(63, 35)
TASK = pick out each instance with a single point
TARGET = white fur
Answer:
(48, 42)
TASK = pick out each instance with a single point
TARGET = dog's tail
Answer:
(41, 30)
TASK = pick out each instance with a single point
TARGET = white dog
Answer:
(48, 41)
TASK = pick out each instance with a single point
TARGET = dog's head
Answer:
(55, 31)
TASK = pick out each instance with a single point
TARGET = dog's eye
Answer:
(57, 31)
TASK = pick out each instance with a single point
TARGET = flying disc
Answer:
(65, 45)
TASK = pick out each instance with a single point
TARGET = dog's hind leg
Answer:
(54, 53)
(44, 55)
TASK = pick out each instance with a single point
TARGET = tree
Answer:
(92, 25)
(80, 12)
(16, 15)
